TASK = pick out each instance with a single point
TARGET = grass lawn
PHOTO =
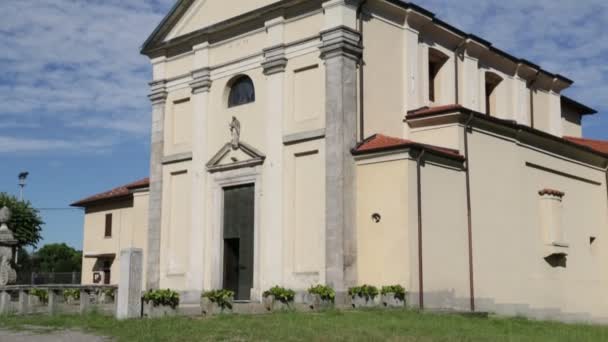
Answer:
(369, 325)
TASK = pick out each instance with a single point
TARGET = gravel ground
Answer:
(37, 334)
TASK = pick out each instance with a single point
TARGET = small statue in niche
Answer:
(235, 132)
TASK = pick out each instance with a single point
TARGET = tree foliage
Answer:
(25, 221)
(57, 257)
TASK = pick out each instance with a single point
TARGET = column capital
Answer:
(341, 41)
(274, 60)
(201, 80)
(158, 92)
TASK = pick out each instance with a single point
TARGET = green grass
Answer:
(373, 325)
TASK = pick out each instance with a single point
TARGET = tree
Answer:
(25, 221)
(57, 257)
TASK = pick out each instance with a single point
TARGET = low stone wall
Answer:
(19, 299)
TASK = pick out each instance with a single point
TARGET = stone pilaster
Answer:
(158, 97)
(201, 86)
(274, 65)
(341, 51)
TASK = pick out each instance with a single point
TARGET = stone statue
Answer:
(235, 132)
(7, 246)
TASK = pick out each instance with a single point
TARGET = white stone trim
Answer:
(214, 236)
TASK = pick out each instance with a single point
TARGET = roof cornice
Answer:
(522, 133)
(154, 43)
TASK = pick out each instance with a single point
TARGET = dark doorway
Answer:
(238, 240)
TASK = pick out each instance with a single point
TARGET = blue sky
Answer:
(73, 85)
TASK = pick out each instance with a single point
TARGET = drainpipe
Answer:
(530, 85)
(469, 216)
(456, 73)
(419, 161)
(361, 76)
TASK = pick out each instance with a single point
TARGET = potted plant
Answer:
(39, 296)
(160, 303)
(106, 296)
(363, 296)
(278, 298)
(393, 296)
(71, 296)
(217, 302)
(321, 297)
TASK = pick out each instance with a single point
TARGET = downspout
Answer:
(361, 76)
(530, 85)
(419, 161)
(469, 215)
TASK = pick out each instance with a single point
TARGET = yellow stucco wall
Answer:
(506, 212)
(129, 230)
(383, 251)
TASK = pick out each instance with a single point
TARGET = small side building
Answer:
(113, 220)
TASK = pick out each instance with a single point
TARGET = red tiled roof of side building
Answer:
(432, 110)
(118, 192)
(597, 145)
(380, 142)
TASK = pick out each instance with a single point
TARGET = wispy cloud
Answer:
(75, 63)
(29, 145)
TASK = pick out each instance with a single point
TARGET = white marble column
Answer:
(201, 86)
(158, 97)
(272, 202)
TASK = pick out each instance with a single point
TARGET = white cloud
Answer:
(76, 63)
(25, 145)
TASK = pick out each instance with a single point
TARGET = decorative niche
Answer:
(556, 246)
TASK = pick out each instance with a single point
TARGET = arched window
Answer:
(241, 92)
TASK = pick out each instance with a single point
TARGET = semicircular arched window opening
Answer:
(242, 92)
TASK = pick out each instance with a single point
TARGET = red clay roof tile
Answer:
(380, 142)
(115, 193)
(551, 192)
(597, 145)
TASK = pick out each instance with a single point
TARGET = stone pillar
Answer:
(5, 303)
(158, 97)
(23, 306)
(53, 303)
(341, 52)
(274, 65)
(85, 301)
(469, 81)
(128, 301)
(521, 100)
(201, 86)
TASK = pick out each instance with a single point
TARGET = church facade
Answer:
(345, 142)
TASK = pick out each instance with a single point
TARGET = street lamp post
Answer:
(22, 178)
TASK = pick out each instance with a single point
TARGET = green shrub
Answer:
(325, 292)
(366, 291)
(223, 298)
(71, 293)
(398, 290)
(280, 293)
(162, 298)
(42, 295)
(108, 292)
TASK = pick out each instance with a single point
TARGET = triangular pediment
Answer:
(228, 157)
(204, 13)
(188, 16)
